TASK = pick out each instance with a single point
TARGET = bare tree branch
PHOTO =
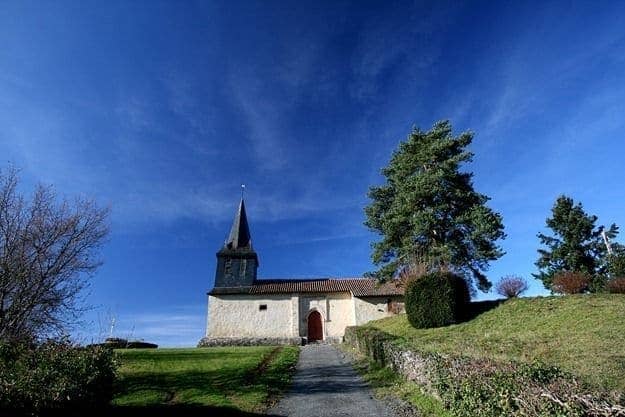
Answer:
(48, 250)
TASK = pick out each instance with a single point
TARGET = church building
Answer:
(246, 310)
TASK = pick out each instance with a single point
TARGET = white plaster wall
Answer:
(336, 310)
(372, 308)
(286, 315)
(239, 316)
(294, 315)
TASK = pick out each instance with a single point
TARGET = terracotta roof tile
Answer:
(360, 287)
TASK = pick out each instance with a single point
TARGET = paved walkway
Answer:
(326, 385)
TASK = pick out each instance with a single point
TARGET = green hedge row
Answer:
(55, 375)
(485, 388)
(436, 299)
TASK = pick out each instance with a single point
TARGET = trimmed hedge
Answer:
(436, 299)
(55, 375)
(471, 387)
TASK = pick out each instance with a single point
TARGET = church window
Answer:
(262, 307)
(242, 267)
(228, 268)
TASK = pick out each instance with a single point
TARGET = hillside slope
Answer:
(582, 334)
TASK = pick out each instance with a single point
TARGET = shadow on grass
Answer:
(476, 308)
(151, 411)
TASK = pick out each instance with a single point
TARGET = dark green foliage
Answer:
(616, 262)
(576, 244)
(428, 208)
(55, 375)
(436, 299)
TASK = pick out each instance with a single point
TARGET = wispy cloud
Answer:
(388, 44)
(128, 166)
(264, 121)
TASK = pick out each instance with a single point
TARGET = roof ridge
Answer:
(315, 279)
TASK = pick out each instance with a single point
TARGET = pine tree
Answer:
(428, 209)
(576, 244)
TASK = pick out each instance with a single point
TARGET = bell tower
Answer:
(236, 261)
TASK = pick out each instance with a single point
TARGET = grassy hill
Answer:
(239, 378)
(583, 334)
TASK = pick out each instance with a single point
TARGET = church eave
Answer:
(229, 290)
(358, 287)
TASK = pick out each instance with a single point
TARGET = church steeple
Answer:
(236, 261)
(240, 237)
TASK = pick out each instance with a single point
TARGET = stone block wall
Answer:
(249, 341)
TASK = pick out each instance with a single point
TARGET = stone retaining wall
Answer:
(249, 341)
(472, 387)
(411, 365)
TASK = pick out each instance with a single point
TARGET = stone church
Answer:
(243, 309)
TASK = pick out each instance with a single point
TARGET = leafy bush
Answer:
(617, 285)
(436, 299)
(511, 286)
(55, 375)
(570, 282)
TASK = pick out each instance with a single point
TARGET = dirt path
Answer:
(326, 385)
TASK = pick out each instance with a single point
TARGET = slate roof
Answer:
(239, 237)
(360, 287)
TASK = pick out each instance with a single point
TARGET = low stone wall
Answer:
(485, 388)
(249, 341)
(380, 347)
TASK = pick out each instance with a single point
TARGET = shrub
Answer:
(617, 285)
(55, 375)
(511, 286)
(436, 299)
(570, 282)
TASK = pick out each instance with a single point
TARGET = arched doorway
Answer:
(315, 329)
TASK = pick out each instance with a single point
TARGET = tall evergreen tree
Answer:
(575, 245)
(428, 208)
(616, 262)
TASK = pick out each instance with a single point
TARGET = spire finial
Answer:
(240, 232)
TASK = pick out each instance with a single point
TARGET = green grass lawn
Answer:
(244, 378)
(583, 334)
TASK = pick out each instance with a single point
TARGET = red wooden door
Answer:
(315, 330)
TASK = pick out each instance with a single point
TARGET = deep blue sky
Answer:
(162, 109)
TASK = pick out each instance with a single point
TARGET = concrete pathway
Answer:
(326, 385)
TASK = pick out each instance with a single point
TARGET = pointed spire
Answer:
(239, 237)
